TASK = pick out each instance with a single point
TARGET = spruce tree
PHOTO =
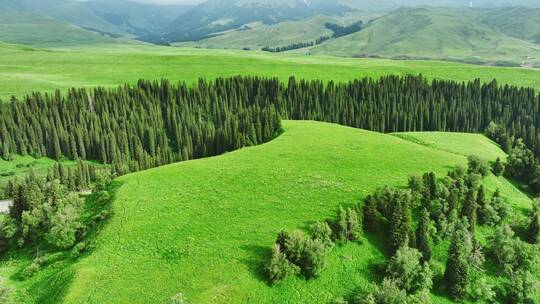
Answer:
(370, 214)
(533, 232)
(469, 209)
(423, 236)
(457, 265)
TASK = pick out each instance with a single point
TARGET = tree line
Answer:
(155, 123)
(142, 126)
(448, 212)
(344, 30)
(296, 45)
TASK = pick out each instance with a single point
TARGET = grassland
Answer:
(24, 69)
(204, 228)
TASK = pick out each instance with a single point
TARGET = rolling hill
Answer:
(435, 33)
(217, 218)
(214, 16)
(112, 17)
(36, 30)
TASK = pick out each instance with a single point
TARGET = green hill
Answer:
(204, 228)
(36, 30)
(258, 35)
(435, 33)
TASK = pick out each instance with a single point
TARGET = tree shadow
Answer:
(256, 260)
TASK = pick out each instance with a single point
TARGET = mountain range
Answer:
(482, 31)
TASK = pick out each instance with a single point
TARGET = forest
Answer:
(155, 123)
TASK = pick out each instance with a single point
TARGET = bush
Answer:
(78, 249)
(477, 165)
(406, 270)
(31, 270)
(322, 231)
(313, 258)
(482, 291)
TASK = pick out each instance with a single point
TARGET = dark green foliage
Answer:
(295, 46)
(533, 231)
(400, 221)
(143, 126)
(344, 30)
(469, 209)
(477, 165)
(308, 254)
(430, 185)
(498, 167)
(279, 267)
(521, 163)
(348, 225)
(456, 276)
(423, 236)
(371, 215)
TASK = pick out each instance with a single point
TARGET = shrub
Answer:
(322, 231)
(477, 165)
(406, 270)
(482, 291)
(313, 258)
(31, 270)
(279, 266)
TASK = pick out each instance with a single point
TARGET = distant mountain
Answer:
(112, 17)
(214, 16)
(37, 30)
(470, 35)
(386, 5)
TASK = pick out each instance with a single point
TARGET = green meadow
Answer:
(204, 228)
(25, 69)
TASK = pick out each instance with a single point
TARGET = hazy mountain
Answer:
(442, 33)
(114, 17)
(385, 5)
(215, 16)
(37, 30)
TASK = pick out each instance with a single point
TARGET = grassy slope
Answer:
(36, 30)
(24, 69)
(20, 165)
(260, 35)
(204, 227)
(432, 33)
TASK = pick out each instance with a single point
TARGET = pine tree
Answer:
(457, 266)
(400, 222)
(533, 232)
(423, 236)
(469, 209)
(370, 214)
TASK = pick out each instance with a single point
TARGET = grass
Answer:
(19, 166)
(204, 228)
(24, 69)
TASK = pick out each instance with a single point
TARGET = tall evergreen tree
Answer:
(456, 276)
(423, 236)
